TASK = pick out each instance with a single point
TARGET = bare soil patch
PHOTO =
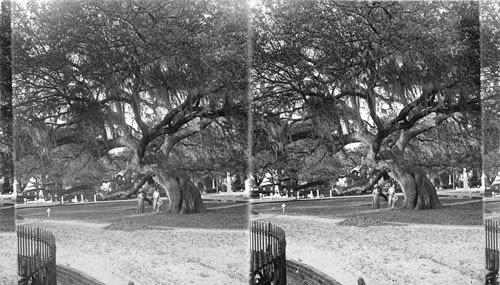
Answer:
(346, 240)
(386, 254)
(8, 258)
(116, 246)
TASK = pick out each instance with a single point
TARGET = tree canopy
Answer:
(490, 87)
(145, 75)
(375, 87)
(6, 131)
(363, 84)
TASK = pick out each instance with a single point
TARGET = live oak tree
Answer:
(6, 159)
(144, 75)
(62, 160)
(490, 87)
(448, 149)
(368, 80)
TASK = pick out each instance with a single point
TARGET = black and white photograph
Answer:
(367, 145)
(130, 141)
(249, 142)
(7, 196)
(490, 86)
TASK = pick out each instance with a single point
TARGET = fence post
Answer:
(492, 250)
(23, 274)
(283, 258)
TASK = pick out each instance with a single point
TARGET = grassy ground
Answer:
(225, 218)
(453, 212)
(492, 206)
(122, 216)
(7, 221)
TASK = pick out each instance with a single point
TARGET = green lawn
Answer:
(452, 213)
(228, 218)
(358, 210)
(121, 215)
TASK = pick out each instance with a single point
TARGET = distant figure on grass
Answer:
(391, 193)
(159, 205)
(376, 198)
(394, 199)
(156, 200)
(140, 202)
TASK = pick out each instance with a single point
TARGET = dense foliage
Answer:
(490, 75)
(6, 159)
(145, 75)
(361, 85)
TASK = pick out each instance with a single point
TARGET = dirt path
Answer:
(177, 256)
(392, 255)
(8, 258)
(313, 219)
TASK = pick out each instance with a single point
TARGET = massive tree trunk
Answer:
(183, 195)
(418, 190)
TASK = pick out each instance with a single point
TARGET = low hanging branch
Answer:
(144, 180)
(365, 185)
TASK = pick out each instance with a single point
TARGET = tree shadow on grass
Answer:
(464, 214)
(222, 218)
(453, 212)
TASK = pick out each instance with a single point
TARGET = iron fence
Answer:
(492, 252)
(267, 254)
(36, 256)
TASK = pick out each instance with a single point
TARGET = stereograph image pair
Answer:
(261, 142)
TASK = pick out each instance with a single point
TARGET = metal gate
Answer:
(492, 253)
(36, 256)
(267, 254)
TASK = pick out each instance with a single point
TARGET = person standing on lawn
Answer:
(140, 202)
(391, 193)
(376, 198)
(156, 200)
(394, 199)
